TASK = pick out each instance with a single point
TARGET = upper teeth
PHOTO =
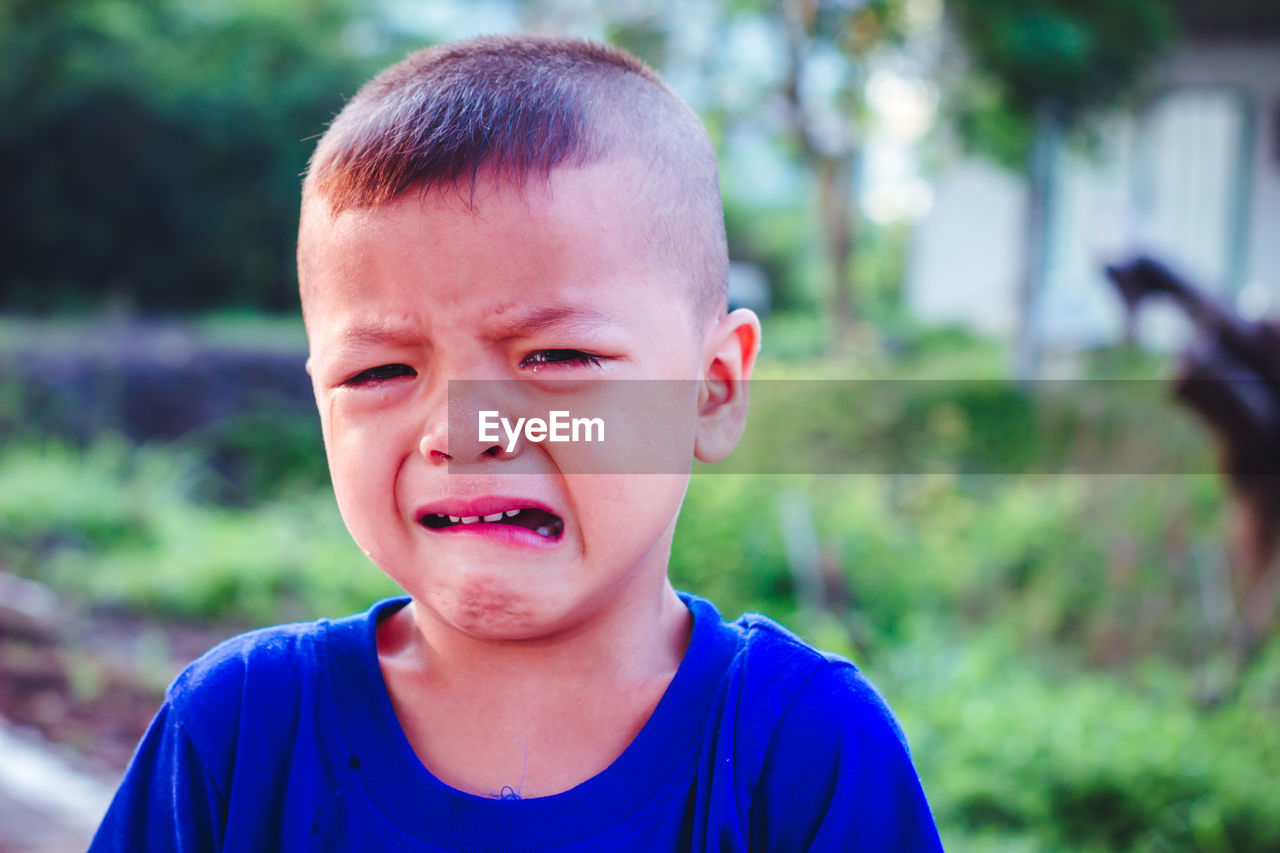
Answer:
(472, 519)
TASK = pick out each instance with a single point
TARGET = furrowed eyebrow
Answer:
(374, 334)
(551, 318)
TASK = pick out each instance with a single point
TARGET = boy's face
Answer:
(547, 283)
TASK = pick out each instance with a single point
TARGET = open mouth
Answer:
(538, 520)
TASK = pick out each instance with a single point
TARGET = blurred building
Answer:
(1194, 176)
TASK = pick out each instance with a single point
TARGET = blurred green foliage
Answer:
(257, 456)
(1020, 759)
(1077, 57)
(157, 146)
(119, 526)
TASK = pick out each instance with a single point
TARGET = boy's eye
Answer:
(542, 357)
(381, 373)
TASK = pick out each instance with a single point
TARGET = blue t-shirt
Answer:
(285, 739)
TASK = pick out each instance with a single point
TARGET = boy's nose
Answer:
(438, 451)
(434, 451)
(435, 447)
(446, 438)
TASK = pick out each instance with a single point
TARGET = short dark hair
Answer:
(516, 108)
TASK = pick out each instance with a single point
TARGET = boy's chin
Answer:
(497, 609)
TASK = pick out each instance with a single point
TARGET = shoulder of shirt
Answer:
(762, 642)
(819, 755)
(252, 686)
(269, 673)
(807, 688)
(220, 673)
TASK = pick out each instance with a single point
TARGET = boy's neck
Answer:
(538, 717)
(640, 636)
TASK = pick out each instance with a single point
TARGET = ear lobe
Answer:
(729, 357)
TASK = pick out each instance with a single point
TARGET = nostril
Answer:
(432, 450)
(492, 451)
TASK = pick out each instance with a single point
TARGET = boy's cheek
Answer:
(359, 413)
(647, 427)
(360, 455)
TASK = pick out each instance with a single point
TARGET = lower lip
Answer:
(506, 534)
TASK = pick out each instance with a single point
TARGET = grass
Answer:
(121, 527)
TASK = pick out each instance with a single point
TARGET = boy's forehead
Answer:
(612, 189)
(608, 200)
(601, 202)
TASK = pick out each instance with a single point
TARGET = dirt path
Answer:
(77, 691)
(48, 804)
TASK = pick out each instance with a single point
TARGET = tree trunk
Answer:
(1040, 173)
(835, 207)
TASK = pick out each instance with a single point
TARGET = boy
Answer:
(543, 212)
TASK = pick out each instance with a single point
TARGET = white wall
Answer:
(1175, 172)
(1255, 70)
(963, 268)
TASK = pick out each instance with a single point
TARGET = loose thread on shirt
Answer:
(509, 793)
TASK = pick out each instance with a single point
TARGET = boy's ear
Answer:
(728, 356)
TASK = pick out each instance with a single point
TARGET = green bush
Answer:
(161, 144)
(261, 456)
(1084, 763)
(118, 527)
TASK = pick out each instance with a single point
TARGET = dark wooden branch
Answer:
(1230, 377)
